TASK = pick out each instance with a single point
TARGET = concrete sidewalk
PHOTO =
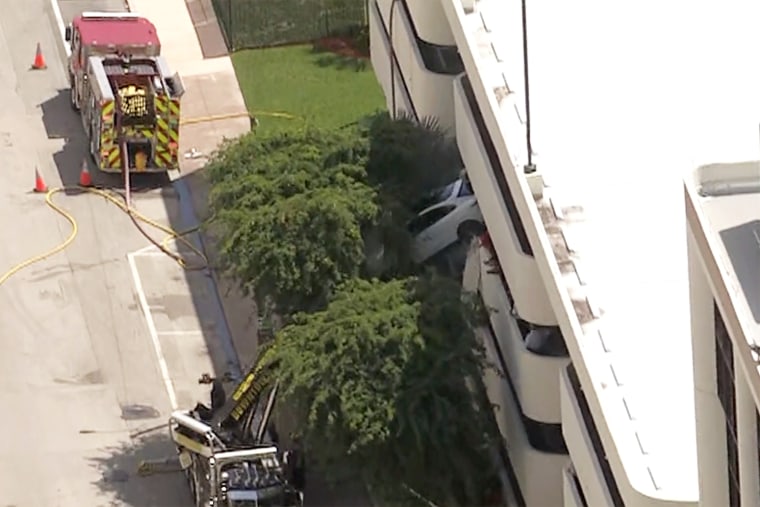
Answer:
(213, 107)
(212, 97)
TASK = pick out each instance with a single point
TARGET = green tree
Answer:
(380, 379)
(290, 211)
(255, 169)
(408, 159)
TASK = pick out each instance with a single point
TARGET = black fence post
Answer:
(229, 25)
(326, 14)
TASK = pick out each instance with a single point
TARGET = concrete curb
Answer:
(56, 19)
(190, 219)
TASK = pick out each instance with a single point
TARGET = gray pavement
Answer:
(102, 340)
(79, 369)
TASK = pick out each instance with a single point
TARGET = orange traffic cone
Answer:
(39, 60)
(39, 183)
(84, 176)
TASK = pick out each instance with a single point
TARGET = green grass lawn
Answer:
(320, 89)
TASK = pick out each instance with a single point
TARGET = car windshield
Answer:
(434, 197)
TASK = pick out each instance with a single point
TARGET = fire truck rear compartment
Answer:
(139, 145)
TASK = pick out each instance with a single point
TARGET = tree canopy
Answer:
(408, 158)
(383, 374)
(290, 211)
(381, 377)
(299, 212)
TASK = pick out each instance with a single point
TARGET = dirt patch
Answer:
(583, 311)
(558, 246)
(343, 46)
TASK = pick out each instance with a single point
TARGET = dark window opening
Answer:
(544, 437)
(541, 340)
(436, 58)
(496, 169)
(546, 341)
(726, 387)
(596, 441)
(440, 59)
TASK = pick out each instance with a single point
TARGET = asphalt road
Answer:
(85, 394)
(79, 365)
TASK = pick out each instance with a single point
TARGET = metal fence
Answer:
(248, 24)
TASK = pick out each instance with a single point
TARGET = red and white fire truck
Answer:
(128, 98)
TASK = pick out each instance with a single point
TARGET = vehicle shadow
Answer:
(62, 122)
(122, 483)
(117, 466)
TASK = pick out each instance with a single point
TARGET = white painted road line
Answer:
(180, 333)
(61, 25)
(158, 253)
(152, 331)
(146, 250)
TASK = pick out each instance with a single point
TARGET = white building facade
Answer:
(723, 217)
(597, 399)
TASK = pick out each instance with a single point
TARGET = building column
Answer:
(711, 423)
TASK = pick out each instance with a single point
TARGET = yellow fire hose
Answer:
(113, 198)
(246, 114)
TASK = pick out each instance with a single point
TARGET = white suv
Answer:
(445, 216)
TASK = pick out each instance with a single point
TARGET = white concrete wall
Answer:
(708, 283)
(521, 271)
(570, 493)
(430, 21)
(581, 449)
(535, 377)
(711, 425)
(720, 179)
(587, 464)
(711, 422)
(539, 474)
(379, 48)
(430, 92)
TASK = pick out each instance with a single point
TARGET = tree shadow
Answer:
(342, 62)
(338, 54)
(121, 483)
(450, 261)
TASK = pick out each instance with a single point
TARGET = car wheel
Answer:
(469, 230)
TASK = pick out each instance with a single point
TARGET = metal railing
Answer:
(249, 24)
